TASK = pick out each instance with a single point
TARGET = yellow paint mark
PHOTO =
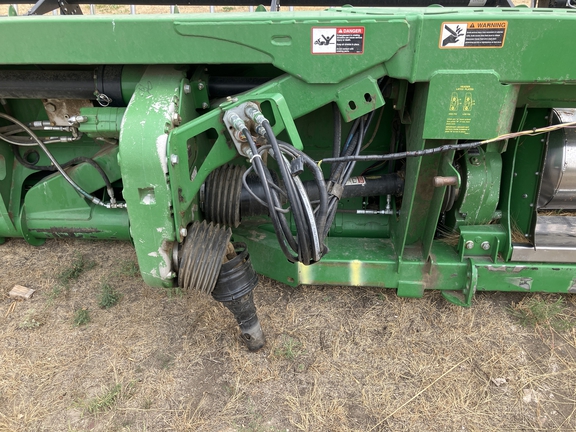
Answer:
(355, 273)
(305, 274)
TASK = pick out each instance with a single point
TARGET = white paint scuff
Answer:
(161, 145)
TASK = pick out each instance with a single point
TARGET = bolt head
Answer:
(187, 89)
(205, 105)
(183, 232)
(485, 245)
(173, 159)
(469, 244)
(176, 119)
(200, 86)
(474, 160)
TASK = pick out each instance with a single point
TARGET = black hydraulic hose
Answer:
(337, 171)
(296, 205)
(403, 155)
(337, 133)
(75, 161)
(362, 134)
(256, 159)
(78, 189)
(251, 201)
(320, 184)
(344, 170)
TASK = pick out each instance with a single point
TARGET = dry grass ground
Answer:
(337, 358)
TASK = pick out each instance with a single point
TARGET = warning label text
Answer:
(478, 34)
(337, 40)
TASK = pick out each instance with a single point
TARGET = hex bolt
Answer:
(469, 244)
(174, 159)
(524, 195)
(200, 86)
(183, 232)
(474, 160)
(485, 245)
(205, 105)
(176, 119)
(187, 89)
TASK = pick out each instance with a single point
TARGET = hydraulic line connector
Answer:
(238, 125)
(253, 113)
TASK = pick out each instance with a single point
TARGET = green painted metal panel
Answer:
(428, 89)
(144, 164)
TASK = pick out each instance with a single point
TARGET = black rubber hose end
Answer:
(234, 289)
(244, 310)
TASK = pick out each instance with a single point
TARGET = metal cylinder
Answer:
(63, 84)
(558, 188)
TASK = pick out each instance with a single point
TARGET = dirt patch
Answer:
(337, 358)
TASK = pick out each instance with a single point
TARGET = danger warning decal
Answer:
(337, 40)
(478, 34)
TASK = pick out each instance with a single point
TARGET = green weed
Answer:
(68, 275)
(81, 317)
(174, 292)
(71, 273)
(105, 401)
(537, 311)
(129, 268)
(30, 321)
(290, 348)
(108, 297)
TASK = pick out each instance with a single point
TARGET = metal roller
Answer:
(558, 190)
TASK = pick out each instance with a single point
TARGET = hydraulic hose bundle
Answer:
(312, 219)
(35, 140)
(308, 244)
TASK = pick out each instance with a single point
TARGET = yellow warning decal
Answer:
(475, 34)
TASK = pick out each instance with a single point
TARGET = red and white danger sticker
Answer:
(356, 181)
(337, 40)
